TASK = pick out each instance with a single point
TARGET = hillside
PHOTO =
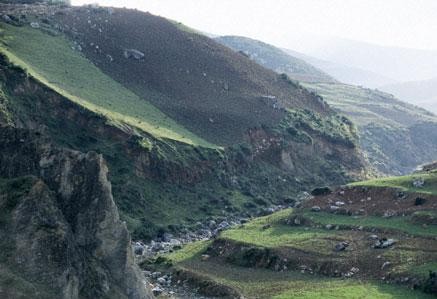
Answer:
(191, 130)
(373, 239)
(396, 136)
(275, 59)
(420, 93)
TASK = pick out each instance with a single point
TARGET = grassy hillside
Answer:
(396, 136)
(52, 60)
(275, 59)
(207, 88)
(405, 183)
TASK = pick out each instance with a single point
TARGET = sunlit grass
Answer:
(405, 183)
(52, 61)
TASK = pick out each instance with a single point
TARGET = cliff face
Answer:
(60, 228)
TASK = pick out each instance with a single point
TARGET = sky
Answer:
(401, 23)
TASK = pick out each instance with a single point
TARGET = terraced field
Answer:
(354, 250)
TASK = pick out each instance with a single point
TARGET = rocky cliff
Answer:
(60, 232)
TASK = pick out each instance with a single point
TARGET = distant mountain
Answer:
(275, 59)
(395, 135)
(344, 73)
(421, 93)
(400, 64)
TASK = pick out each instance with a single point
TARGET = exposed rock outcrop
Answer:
(60, 228)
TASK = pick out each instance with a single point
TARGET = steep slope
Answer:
(391, 132)
(173, 160)
(275, 59)
(204, 85)
(61, 236)
(420, 93)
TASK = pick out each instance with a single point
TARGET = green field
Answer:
(266, 283)
(401, 224)
(405, 183)
(51, 60)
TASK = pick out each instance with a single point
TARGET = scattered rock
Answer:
(352, 272)
(334, 208)
(138, 248)
(6, 18)
(34, 25)
(162, 280)
(157, 291)
(133, 53)
(341, 246)
(418, 183)
(389, 213)
(373, 237)
(316, 209)
(384, 243)
(401, 195)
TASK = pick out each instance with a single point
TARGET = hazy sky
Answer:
(404, 23)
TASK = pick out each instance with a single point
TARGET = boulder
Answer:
(138, 249)
(419, 183)
(35, 25)
(384, 243)
(133, 53)
(315, 209)
(157, 291)
(341, 246)
(162, 280)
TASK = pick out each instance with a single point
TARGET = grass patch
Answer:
(395, 223)
(188, 251)
(278, 235)
(52, 61)
(263, 283)
(352, 290)
(405, 183)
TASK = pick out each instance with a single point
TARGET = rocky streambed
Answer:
(166, 285)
